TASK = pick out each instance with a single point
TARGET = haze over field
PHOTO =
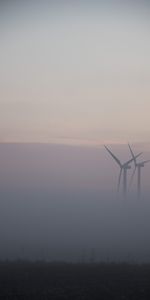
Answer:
(59, 202)
(74, 75)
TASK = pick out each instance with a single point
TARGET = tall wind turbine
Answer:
(138, 166)
(123, 168)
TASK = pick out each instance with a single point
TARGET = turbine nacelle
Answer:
(140, 165)
(127, 167)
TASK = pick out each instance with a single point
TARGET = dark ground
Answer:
(24, 280)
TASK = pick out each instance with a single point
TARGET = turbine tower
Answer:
(138, 166)
(123, 168)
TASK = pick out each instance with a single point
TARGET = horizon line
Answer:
(74, 142)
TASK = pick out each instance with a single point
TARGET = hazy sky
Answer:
(74, 71)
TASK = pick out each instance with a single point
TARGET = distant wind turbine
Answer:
(123, 168)
(138, 166)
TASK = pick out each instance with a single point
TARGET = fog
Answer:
(60, 203)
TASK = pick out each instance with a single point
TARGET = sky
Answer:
(74, 72)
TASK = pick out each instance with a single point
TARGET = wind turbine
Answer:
(123, 168)
(138, 166)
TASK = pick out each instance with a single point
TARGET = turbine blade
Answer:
(131, 151)
(114, 157)
(119, 179)
(145, 161)
(133, 156)
(132, 176)
(129, 161)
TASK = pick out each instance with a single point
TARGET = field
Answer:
(41, 281)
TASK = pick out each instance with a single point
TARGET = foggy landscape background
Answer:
(60, 203)
(74, 75)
